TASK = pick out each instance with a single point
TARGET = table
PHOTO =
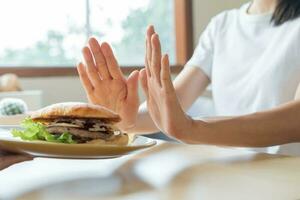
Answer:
(167, 171)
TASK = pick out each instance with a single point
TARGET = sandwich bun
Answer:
(75, 110)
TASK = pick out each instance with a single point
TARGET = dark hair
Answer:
(286, 10)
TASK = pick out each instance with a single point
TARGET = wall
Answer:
(56, 89)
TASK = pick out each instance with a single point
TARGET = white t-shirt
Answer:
(253, 65)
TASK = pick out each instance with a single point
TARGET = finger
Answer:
(85, 81)
(166, 79)
(144, 82)
(111, 61)
(9, 160)
(147, 65)
(99, 58)
(132, 86)
(91, 68)
(150, 32)
(156, 57)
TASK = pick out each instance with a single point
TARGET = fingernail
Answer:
(85, 49)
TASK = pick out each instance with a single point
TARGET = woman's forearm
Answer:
(269, 128)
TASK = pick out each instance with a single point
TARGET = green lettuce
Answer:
(37, 131)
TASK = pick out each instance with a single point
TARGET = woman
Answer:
(249, 55)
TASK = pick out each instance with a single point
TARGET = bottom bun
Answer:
(121, 140)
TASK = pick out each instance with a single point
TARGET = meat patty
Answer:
(80, 133)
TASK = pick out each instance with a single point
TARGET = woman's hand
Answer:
(162, 101)
(106, 85)
(8, 159)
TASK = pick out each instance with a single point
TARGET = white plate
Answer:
(58, 150)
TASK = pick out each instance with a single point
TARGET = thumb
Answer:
(132, 86)
(144, 82)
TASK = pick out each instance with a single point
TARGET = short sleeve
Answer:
(203, 54)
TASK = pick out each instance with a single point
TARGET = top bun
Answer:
(75, 110)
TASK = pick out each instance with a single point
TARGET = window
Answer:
(52, 32)
(44, 38)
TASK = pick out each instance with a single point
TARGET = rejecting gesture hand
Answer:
(106, 85)
(163, 104)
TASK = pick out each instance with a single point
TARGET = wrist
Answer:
(196, 131)
(190, 127)
(183, 133)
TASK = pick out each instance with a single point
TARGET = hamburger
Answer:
(73, 123)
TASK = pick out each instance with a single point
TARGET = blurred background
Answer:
(42, 40)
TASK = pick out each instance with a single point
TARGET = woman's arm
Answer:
(277, 126)
(268, 128)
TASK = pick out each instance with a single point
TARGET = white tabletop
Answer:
(167, 171)
(42, 171)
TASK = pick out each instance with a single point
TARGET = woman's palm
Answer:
(105, 84)
(111, 94)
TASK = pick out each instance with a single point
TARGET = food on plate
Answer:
(73, 123)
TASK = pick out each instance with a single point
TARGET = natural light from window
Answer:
(52, 32)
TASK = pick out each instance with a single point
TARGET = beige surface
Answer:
(33, 98)
(12, 120)
(170, 171)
